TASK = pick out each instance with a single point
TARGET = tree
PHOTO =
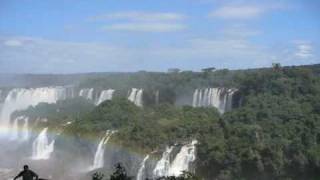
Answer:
(120, 173)
(97, 176)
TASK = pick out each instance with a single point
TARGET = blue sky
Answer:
(70, 36)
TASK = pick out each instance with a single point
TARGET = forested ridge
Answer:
(274, 133)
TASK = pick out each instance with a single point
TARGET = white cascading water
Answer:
(98, 161)
(135, 96)
(229, 100)
(163, 165)
(1, 103)
(105, 95)
(157, 96)
(14, 129)
(16, 134)
(1, 98)
(180, 163)
(25, 129)
(20, 99)
(141, 172)
(41, 148)
(220, 98)
(183, 159)
(195, 98)
(86, 93)
(132, 94)
(70, 91)
(138, 100)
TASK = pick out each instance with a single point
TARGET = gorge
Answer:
(156, 129)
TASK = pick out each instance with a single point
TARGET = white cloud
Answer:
(13, 43)
(237, 12)
(66, 57)
(47, 56)
(140, 16)
(222, 52)
(146, 27)
(297, 52)
(304, 50)
(245, 11)
(41, 55)
(239, 31)
(136, 21)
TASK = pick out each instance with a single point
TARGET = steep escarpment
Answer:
(220, 125)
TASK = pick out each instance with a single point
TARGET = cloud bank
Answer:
(137, 21)
(46, 56)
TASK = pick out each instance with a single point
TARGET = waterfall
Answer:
(157, 95)
(138, 100)
(132, 95)
(200, 99)
(70, 91)
(163, 165)
(105, 95)
(41, 148)
(19, 99)
(141, 172)
(220, 98)
(135, 96)
(195, 98)
(98, 161)
(15, 129)
(183, 159)
(86, 93)
(229, 99)
(180, 163)
(25, 129)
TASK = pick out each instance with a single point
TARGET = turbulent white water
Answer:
(86, 93)
(220, 98)
(41, 148)
(180, 163)
(19, 99)
(141, 172)
(183, 159)
(98, 161)
(105, 95)
(135, 96)
(163, 165)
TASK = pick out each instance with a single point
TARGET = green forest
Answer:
(273, 131)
